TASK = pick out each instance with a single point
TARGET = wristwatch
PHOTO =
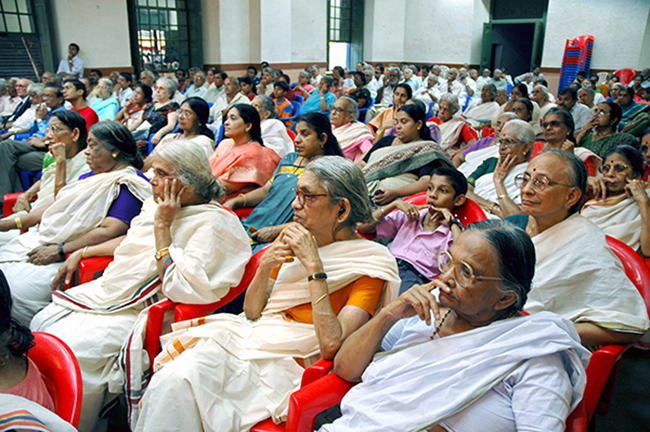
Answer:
(455, 221)
(317, 276)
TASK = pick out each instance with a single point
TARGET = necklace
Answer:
(440, 325)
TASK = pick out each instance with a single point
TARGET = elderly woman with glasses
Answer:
(558, 128)
(492, 184)
(576, 274)
(459, 347)
(316, 284)
(601, 132)
(622, 207)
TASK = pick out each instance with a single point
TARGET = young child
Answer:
(419, 232)
(282, 104)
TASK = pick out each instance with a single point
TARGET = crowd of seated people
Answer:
(555, 175)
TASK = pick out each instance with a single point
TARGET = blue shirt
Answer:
(38, 129)
(313, 103)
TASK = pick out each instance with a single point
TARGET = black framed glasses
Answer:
(305, 198)
(464, 274)
(618, 168)
(540, 183)
(553, 124)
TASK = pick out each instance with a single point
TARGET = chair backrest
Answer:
(467, 213)
(61, 373)
(296, 108)
(626, 75)
(221, 133)
(635, 267)
(300, 99)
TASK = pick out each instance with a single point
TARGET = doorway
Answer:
(512, 47)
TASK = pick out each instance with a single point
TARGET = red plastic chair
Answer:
(183, 312)
(626, 75)
(61, 373)
(89, 269)
(292, 135)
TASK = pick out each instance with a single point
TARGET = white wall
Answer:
(308, 30)
(618, 27)
(275, 34)
(424, 30)
(100, 28)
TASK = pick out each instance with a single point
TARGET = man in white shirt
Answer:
(452, 85)
(22, 123)
(379, 75)
(200, 86)
(231, 96)
(8, 98)
(385, 93)
(73, 66)
(468, 89)
(123, 90)
(568, 100)
(372, 86)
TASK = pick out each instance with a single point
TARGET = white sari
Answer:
(234, 372)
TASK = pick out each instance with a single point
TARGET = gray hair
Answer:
(149, 73)
(341, 178)
(169, 85)
(37, 88)
(192, 167)
(268, 105)
(270, 70)
(543, 89)
(353, 109)
(588, 90)
(305, 73)
(576, 174)
(3, 84)
(523, 132)
(108, 83)
(493, 90)
(396, 69)
(618, 84)
(452, 101)
(511, 116)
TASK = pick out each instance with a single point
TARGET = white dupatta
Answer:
(75, 167)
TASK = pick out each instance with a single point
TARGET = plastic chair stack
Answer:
(577, 58)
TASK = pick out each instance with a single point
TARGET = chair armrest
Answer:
(601, 365)
(316, 371)
(243, 213)
(155, 318)
(8, 203)
(91, 268)
(309, 401)
(577, 421)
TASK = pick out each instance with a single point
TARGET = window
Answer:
(16, 16)
(344, 32)
(161, 33)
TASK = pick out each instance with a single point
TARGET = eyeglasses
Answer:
(540, 183)
(55, 130)
(305, 198)
(507, 143)
(338, 110)
(464, 274)
(618, 168)
(554, 124)
(185, 113)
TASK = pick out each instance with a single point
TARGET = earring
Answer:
(114, 155)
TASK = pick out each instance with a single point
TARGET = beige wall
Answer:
(99, 27)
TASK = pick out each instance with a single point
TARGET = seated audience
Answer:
(200, 87)
(247, 87)
(645, 152)
(456, 133)
(241, 161)
(123, 90)
(91, 94)
(303, 87)
(419, 234)
(67, 135)
(274, 132)
(19, 375)
(576, 274)
(74, 92)
(227, 100)
(321, 100)
(273, 202)
(183, 81)
(481, 114)
(134, 107)
(192, 122)
(558, 126)
(428, 93)
(632, 111)
(361, 94)
(339, 89)
(291, 95)
(315, 286)
(385, 92)
(386, 119)
(371, 83)
(28, 118)
(601, 132)
(354, 137)
(216, 85)
(94, 209)
(621, 207)
(106, 106)
(477, 363)
(8, 98)
(159, 117)
(492, 184)
(282, 105)
(542, 97)
(526, 109)
(586, 96)
(568, 99)
(183, 246)
(390, 177)
(265, 86)
(21, 101)
(28, 155)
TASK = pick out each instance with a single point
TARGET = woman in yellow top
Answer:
(315, 286)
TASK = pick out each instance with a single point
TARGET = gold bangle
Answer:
(83, 252)
(320, 298)
(243, 196)
(19, 222)
(503, 196)
(161, 253)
